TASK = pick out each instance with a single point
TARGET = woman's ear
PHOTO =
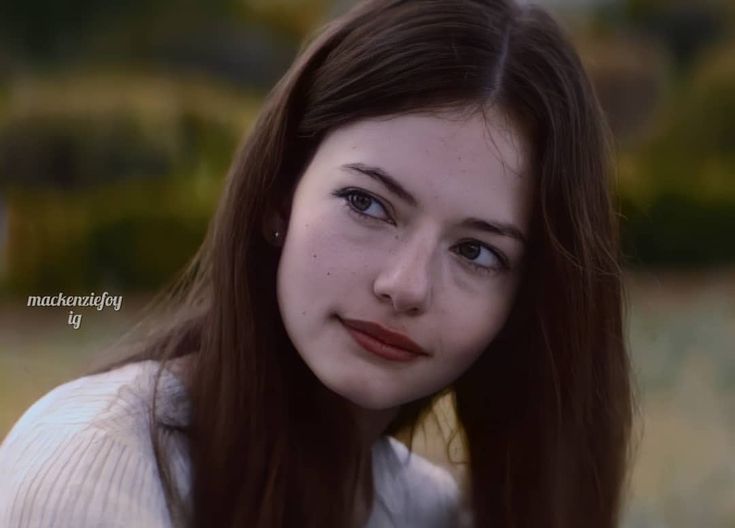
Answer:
(274, 226)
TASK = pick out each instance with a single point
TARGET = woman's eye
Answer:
(478, 256)
(362, 203)
(482, 258)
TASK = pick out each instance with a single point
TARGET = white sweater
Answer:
(81, 457)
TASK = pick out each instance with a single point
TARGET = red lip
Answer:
(386, 336)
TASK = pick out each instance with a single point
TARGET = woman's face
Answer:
(414, 223)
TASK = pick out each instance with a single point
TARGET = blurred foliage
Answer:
(87, 129)
(295, 18)
(630, 73)
(44, 29)
(47, 29)
(676, 229)
(108, 180)
(249, 42)
(679, 187)
(685, 28)
(118, 123)
(130, 236)
(78, 151)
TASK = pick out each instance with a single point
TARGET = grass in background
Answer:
(681, 333)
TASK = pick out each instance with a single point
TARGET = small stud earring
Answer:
(276, 236)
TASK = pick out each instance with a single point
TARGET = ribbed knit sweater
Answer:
(81, 457)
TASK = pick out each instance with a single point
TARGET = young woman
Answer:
(421, 209)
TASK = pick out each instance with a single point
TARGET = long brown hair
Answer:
(546, 411)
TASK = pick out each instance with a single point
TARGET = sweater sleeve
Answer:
(444, 499)
(59, 476)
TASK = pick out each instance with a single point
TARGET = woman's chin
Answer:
(365, 396)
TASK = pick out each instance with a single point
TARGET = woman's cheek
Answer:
(473, 335)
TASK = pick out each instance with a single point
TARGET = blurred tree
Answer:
(630, 73)
(75, 130)
(246, 41)
(686, 27)
(694, 150)
(679, 187)
(112, 178)
(128, 235)
(295, 18)
(76, 152)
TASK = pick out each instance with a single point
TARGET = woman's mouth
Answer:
(379, 348)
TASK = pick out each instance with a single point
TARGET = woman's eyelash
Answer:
(502, 259)
(346, 194)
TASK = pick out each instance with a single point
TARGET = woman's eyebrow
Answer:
(381, 176)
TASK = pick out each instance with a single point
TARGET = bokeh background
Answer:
(118, 121)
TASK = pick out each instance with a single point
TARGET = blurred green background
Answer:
(118, 122)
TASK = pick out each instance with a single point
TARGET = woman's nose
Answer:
(406, 277)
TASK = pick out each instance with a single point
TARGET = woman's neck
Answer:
(372, 423)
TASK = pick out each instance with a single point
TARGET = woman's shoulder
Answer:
(414, 467)
(79, 455)
(111, 401)
(412, 488)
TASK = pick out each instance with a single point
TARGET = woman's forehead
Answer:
(453, 167)
(447, 143)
